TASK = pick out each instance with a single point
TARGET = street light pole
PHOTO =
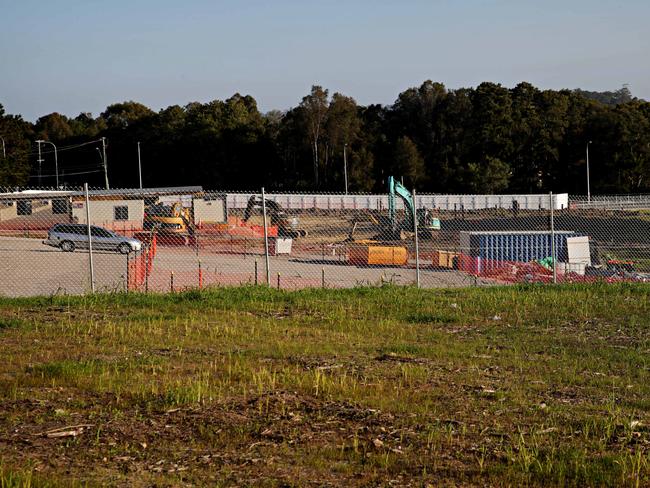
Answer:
(345, 167)
(56, 159)
(139, 165)
(40, 163)
(588, 184)
(105, 162)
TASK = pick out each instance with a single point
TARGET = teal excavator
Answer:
(426, 222)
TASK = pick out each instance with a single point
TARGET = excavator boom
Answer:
(396, 189)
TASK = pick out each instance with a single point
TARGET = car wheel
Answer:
(67, 246)
(124, 248)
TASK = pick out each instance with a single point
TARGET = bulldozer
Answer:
(287, 228)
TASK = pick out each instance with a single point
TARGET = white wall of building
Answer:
(103, 213)
(7, 211)
(209, 211)
(380, 202)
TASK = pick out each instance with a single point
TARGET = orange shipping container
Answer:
(361, 254)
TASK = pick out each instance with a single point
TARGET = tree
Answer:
(408, 162)
(492, 123)
(122, 115)
(341, 128)
(53, 127)
(630, 159)
(612, 98)
(360, 170)
(487, 139)
(419, 114)
(373, 143)
(490, 176)
(14, 163)
(294, 151)
(85, 126)
(314, 109)
(456, 143)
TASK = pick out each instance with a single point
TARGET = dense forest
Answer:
(488, 139)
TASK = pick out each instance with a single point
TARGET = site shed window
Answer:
(60, 206)
(24, 207)
(121, 212)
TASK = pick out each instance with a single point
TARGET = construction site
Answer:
(193, 238)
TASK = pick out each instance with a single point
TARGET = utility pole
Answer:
(588, 185)
(139, 165)
(40, 162)
(56, 159)
(105, 162)
(345, 167)
(4, 154)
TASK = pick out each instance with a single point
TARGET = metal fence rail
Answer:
(612, 202)
(163, 240)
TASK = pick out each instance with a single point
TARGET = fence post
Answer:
(266, 240)
(90, 241)
(553, 257)
(256, 272)
(126, 284)
(146, 271)
(417, 248)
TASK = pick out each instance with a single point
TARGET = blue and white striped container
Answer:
(521, 247)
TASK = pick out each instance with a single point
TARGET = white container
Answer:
(278, 245)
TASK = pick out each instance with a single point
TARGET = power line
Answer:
(70, 174)
(67, 148)
(81, 167)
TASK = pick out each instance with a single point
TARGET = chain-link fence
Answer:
(169, 239)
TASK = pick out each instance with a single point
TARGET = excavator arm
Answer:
(396, 189)
(274, 210)
(276, 214)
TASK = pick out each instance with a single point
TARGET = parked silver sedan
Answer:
(69, 237)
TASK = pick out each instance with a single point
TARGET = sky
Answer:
(73, 56)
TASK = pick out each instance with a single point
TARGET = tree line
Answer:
(488, 139)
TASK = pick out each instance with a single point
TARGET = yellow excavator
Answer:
(170, 220)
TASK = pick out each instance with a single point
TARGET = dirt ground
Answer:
(149, 442)
(31, 268)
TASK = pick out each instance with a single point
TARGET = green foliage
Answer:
(408, 162)
(484, 139)
(14, 158)
(491, 176)
(354, 386)
(122, 115)
(314, 108)
(620, 96)
(55, 127)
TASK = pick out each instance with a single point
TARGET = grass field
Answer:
(364, 387)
